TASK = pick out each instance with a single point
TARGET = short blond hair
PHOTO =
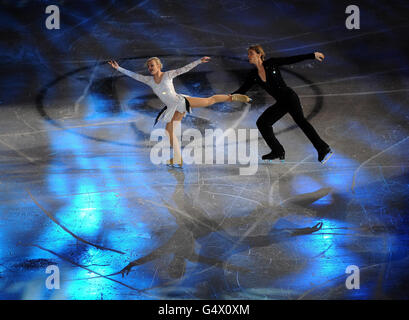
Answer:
(155, 59)
(259, 49)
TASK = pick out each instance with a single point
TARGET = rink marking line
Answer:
(322, 43)
(234, 196)
(29, 159)
(192, 218)
(67, 127)
(183, 213)
(371, 158)
(273, 186)
(276, 181)
(86, 268)
(229, 34)
(232, 203)
(335, 278)
(137, 6)
(261, 218)
(263, 39)
(350, 78)
(86, 89)
(133, 120)
(234, 125)
(129, 190)
(307, 33)
(83, 21)
(23, 121)
(353, 93)
(67, 230)
(295, 197)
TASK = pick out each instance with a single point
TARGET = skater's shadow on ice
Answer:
(195, 224)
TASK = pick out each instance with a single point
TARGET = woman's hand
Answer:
(205, 59)
(319, 56)
(114, 64)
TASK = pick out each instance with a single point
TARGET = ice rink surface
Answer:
(78, 189)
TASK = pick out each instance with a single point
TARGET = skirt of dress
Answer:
(164, 111)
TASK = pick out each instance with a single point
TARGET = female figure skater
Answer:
(268, 76)
(176, 105)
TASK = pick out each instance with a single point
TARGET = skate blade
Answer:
(273, 161)
(173, 165)
(329, 155)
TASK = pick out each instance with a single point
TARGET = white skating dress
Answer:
(165, 89)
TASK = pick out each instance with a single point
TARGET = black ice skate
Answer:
(324, 155)
(274, 155)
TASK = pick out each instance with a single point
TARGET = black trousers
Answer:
(287, 103)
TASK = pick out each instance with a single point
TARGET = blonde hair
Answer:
(155, 59)
(257, 48)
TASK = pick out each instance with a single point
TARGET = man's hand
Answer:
(319, 56)
(205, 59)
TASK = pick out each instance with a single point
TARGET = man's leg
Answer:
(296, 112)
(265, 125)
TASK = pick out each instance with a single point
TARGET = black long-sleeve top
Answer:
(274, 84)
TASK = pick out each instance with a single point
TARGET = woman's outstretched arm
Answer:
(190, 66)
(294, 59)
(136, 76)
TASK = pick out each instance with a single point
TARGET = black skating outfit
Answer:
(287, 101)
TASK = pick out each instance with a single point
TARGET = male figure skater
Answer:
(268, 76)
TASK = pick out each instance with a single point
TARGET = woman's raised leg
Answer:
(205, 102)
